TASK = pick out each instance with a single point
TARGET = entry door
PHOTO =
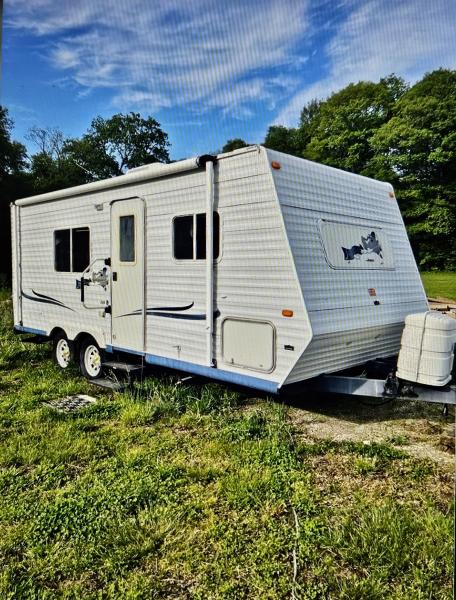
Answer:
(127, 273)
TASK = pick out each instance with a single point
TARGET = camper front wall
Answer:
(354, 262)
(254, 278)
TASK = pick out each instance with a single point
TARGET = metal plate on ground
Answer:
(71, 403)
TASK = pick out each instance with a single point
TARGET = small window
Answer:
(185, 247)
(62, 255)
(72, 249)
(127, 238)
(81, 249)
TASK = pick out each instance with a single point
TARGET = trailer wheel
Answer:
(91, 358)
(63, 350)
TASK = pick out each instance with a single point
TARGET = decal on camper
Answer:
(350, 246)
(44, 299)
(369, 245)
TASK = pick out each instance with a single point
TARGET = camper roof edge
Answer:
(153, 171)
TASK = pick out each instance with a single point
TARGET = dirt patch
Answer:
(418, 429)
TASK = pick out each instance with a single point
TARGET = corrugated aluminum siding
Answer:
(348, 328)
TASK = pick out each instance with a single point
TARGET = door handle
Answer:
(82, 283)
(114, 275)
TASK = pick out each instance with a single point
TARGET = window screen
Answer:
(127, 238)
(81, 249)
(62, 256)
(183, 236)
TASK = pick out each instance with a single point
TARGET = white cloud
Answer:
(199, 54)
(380, 37)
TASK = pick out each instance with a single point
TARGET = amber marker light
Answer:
(287, 312)
(275, 164)
(391, 194)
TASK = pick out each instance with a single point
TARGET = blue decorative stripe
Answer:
(151, 311)
(191, 317)
(212, 373)
(30, 330)
(209, 372)
(110, 348)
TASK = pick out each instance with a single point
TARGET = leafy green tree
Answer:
(12, 154)
(417, 147)
(341, 127)
(234, 144)
(114, 145)
(51, 168)
(282, 139)
(109, 148)
(14, 183)
(50, 174)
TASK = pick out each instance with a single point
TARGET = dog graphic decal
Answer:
(369, 245)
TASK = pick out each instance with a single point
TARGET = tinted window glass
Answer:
(183, 237)
(127, 238)
(81, 249)
(201, 235)
(62, 250)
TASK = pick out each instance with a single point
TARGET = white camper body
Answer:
(312, 270)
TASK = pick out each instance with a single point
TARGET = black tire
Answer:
(63, 350)
(90, 359)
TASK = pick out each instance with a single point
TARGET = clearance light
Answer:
(275, 164)
(391, 194)
(287, 312)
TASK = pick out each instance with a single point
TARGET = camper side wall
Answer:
(254, 278)
(54, 238)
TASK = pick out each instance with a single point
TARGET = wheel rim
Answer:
(63, 353)
(92, 361)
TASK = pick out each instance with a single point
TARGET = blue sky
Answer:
(208, 70)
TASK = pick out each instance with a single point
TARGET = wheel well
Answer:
(56, 331)
(81, 337)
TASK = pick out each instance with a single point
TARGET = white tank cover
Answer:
(427, 349)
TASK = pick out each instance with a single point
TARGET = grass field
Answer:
(173, 491)
(440, 284)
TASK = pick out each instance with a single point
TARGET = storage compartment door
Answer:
(249, 344)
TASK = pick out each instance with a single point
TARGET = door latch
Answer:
(114, 275)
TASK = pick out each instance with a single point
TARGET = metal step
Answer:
(123, 366)
(116, 386)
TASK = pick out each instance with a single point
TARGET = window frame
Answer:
(70, 229)
(194, 259)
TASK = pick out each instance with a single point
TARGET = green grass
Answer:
(174, 491)
(440, 284)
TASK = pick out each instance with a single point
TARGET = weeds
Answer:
(189, 491)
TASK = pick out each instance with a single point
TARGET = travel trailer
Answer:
(251, 267)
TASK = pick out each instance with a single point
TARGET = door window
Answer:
(127, 238)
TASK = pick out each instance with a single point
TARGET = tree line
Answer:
(387, 130)
(109, 147)
(393, 132)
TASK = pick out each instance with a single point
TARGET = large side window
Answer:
(183, 237)
(71, 249)
(62, 255)
(187, 245)
(80, 249)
